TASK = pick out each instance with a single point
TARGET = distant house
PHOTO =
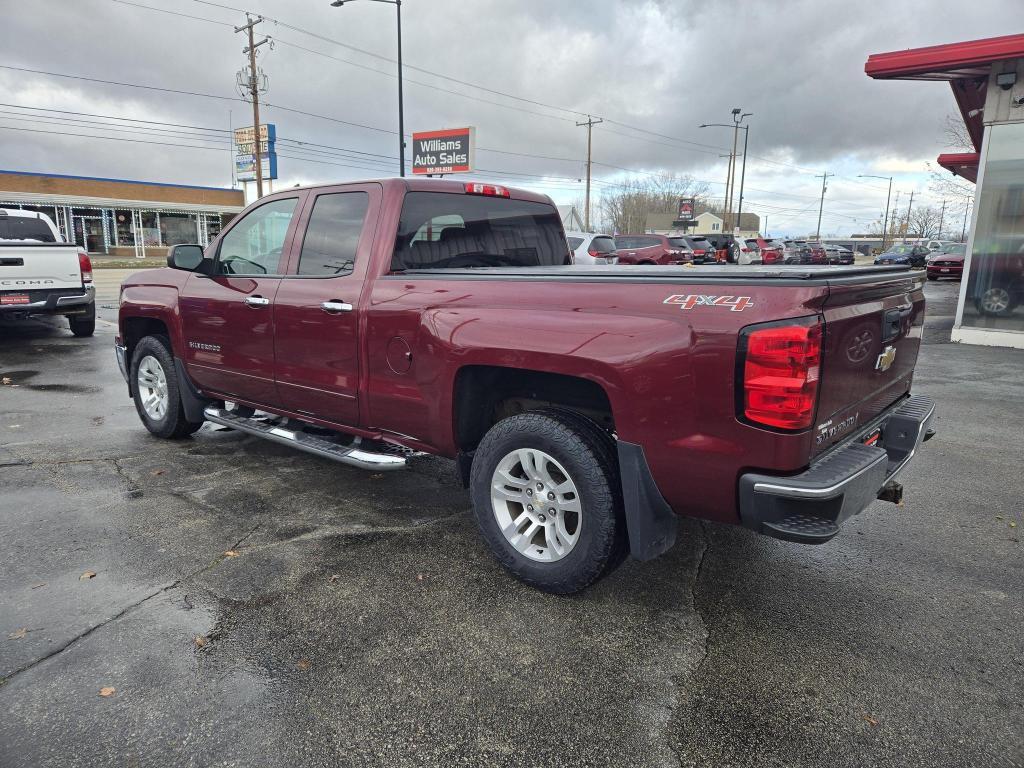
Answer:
(708, 223)
(572, 221)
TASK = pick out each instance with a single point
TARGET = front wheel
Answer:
(155, 390)
(547, 498)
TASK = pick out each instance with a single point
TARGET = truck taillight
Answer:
(491, 190)
(781, 367)
(85, 266)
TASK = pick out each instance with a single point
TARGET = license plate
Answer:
(14, 298)
(944, 269)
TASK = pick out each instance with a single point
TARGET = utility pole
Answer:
(895, 213)
(910, 207)
(254, 92)
(821, 205)
(732, 166)
(963, 232)
(766, 227)
(942, 216)
(743, 173)
(590, 123)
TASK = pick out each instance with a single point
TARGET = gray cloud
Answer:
(664, 66)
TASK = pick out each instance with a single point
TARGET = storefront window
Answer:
(178, 228)
(995, 286)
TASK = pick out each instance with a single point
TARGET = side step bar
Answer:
(346, 454)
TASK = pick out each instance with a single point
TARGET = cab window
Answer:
(253, 246)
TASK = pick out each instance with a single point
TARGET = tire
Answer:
(84, 325)
(152, 353)
(996, 302)
(569, 448)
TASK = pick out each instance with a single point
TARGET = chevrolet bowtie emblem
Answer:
(886, 359)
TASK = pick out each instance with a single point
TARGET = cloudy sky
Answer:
(523, 72)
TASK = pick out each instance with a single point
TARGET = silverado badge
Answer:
(886, 359)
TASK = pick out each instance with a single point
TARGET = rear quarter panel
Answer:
(668, 371)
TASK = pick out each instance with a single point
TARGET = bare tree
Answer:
(924, 221)
(957, 135)
(625, 207)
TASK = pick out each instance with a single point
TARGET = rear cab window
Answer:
(442, 230)
(25, 228)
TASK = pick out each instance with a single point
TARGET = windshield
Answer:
(900, 249)
(602, 244)
(442, 230)
(957, 249)
(25, 228)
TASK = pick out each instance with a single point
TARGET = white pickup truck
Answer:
(40, 274)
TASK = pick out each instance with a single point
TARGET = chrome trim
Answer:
(257, 301)
(816, 493)
(62, 301)
(85, 298)
(335, 306)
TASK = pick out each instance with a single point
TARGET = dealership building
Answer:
(119, 217)
(987, 80)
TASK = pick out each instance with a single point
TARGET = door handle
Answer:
(333, 307)
(257, 301)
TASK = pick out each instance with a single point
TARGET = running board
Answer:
(346, 454)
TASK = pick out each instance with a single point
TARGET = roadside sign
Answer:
(446, 151)
(245, 149)
(686, 206)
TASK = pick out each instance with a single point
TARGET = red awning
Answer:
(965, 66)
(963, 164)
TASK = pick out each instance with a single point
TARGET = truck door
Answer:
(228, 317)
(317, 323)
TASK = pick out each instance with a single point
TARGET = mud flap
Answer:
(651, 523)
(191, 401)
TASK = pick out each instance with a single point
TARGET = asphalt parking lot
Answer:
(254, 606)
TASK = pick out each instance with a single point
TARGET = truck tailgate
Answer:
(872, 336)
(39, 266)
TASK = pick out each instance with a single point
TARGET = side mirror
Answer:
(186, 257)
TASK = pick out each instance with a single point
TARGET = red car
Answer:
(652, 249)
(949, 262)
(586, 409)
(816, 254)
(770, 250)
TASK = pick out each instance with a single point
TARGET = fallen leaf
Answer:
(87, 575)
(302, 665)
(158, 472)
(6, 380)
(1013, 524)
(999, 517)
(18, 634)
(377, 477)
(201, 641)
(107, 691)
(871, 721)
(37, 586)
(231, 553)
(335, 577)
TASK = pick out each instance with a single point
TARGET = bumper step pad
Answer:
(806, 529)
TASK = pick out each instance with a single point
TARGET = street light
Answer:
(401, 105)
(737, 118)
(885, 223)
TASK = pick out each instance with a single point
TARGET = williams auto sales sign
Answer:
(447, 151)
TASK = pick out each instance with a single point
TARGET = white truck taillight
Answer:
(85, 266)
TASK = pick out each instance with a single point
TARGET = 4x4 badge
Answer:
(885, 360)
(735, 303)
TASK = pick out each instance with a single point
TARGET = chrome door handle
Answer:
(332, 307)
(257, 301)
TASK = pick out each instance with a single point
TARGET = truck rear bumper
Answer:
(811, 506)
(56, 303)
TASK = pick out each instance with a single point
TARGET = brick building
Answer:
(121, 217)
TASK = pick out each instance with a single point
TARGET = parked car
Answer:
(651, 249)
(911, 255)
(795, 252)
(702, 249)
(838, 254)
(938, 245)
(996, 282)
(393, 333)
(590, 248)
(948, 262)
(767, 250)
(816, 253)
(735, 249)
(41, 274)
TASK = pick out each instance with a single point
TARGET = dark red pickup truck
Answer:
(587, 407)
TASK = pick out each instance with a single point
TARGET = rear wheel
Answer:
(996, 301)
(547, 498)
(155, 389)
(84, 325)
